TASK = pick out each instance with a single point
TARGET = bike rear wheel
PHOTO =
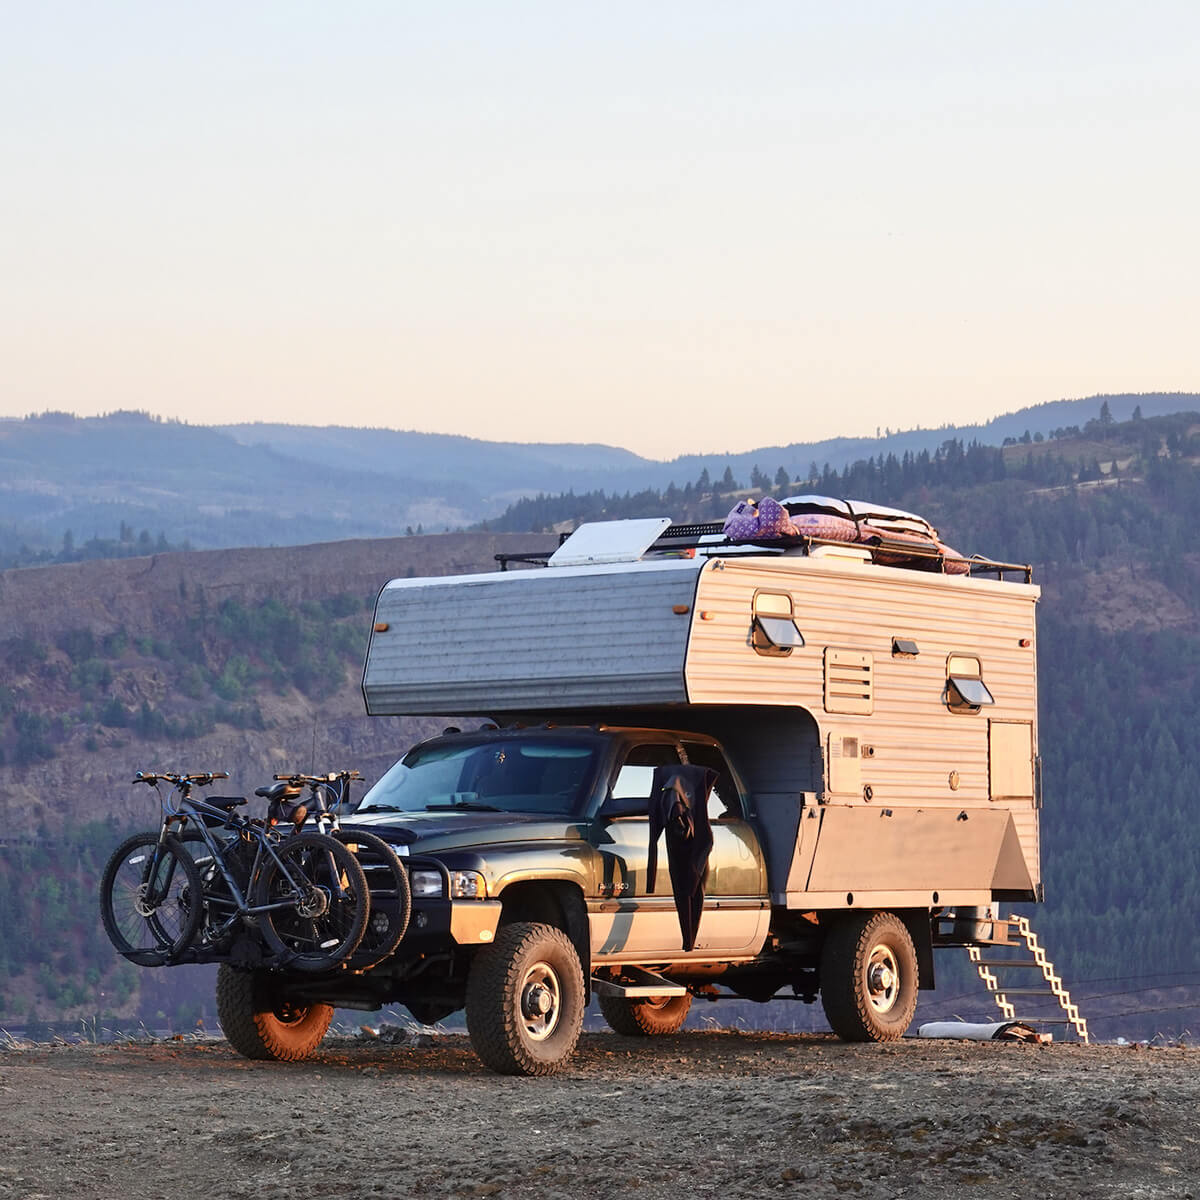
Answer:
(151, 899)
(323, 899)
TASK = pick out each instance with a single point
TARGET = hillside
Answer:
(248, 661)
(1107, 514)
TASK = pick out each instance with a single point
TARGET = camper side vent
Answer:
(849, 681)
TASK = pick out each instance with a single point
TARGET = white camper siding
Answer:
(915, 740)
(524, 640)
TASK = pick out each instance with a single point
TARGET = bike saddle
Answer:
(228, 803)
(280, 790)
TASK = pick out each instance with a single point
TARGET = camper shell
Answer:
(884, 719)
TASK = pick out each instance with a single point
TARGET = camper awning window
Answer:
(781, 632)
(774, 629)
(965, 689)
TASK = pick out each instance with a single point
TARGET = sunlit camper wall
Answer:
(891, 706)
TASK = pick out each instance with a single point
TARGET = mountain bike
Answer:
(304, 896)
(387, 880)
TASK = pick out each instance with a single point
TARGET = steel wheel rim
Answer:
(883, 979)
(540, 1001)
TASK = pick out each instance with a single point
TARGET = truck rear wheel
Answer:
(259, 1023)
(525, 1000)
(869, 977)
(647, 1016)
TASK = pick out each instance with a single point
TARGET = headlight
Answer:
(426, 883)
(467, 885)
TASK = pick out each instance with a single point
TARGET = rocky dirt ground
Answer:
(720, 1114)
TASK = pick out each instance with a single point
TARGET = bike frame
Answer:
(186, 809)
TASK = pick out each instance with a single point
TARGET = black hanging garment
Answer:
(679, 804)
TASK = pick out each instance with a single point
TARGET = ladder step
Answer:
(1005, 962)
(1043, 1020)
(1003, 991)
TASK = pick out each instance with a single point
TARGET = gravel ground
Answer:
(713, 1113)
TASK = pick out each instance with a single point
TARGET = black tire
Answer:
(869, 977)
(259, 1023)
(150, 899)
(525, 1000)
(388, 892)
(645, 1017)
(322, 928)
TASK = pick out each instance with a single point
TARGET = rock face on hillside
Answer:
(146, 602)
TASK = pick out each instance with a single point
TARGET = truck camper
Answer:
(698, 765)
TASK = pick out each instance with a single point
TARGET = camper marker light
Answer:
(381, 627)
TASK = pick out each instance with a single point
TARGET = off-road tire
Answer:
(154, 939)
(258, 1024)
(645, 1017)
(523, 964)
(858, 1002)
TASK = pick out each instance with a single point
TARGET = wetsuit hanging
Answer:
(679, 805)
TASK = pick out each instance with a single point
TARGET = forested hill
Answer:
(1108, 515)
(249, 661)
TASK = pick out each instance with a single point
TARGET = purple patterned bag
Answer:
(750, 522)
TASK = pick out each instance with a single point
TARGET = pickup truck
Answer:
(527, 853)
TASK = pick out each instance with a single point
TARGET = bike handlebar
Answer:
(200, 778)
(317, 780)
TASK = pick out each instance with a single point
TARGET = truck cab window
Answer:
(724, 801)
(634, 778)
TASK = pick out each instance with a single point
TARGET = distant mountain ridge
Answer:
(260, 484)
(548, 468)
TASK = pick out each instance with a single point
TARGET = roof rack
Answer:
(708, 538)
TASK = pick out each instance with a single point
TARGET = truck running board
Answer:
(637, 983)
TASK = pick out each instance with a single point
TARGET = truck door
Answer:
(736, 912)
(630, 924)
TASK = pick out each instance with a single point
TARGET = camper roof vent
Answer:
(609, 542)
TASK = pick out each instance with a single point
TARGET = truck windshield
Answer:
(518, 775)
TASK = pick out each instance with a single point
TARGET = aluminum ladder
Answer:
(1052, 985)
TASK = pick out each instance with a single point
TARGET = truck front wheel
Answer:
(645, 1017)
(259, 1023)
(869, 977)
(525, 1000)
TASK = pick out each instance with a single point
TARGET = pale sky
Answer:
(674, 227)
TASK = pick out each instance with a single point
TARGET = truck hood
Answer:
(428, 831)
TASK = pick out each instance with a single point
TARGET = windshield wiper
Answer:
(462, 806)
(377, 808)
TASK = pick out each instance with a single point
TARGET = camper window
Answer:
(965, 689)
(774, 630)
